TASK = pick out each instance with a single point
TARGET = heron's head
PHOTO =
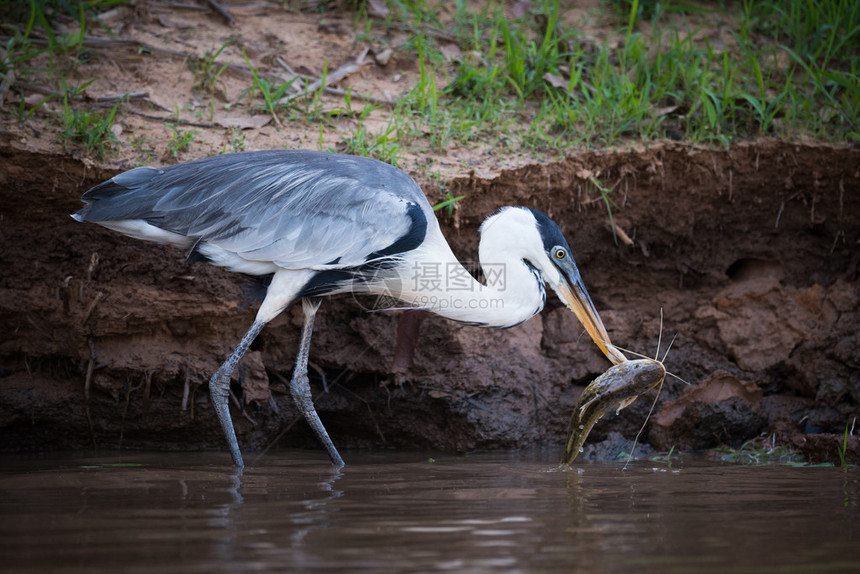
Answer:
(542, 245)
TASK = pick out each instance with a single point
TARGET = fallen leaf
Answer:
(377, 8)
(451, 52)
(664, 111)
(245, 123)
(555, 81)
(521, 8)
(383, 56)
(34, 99)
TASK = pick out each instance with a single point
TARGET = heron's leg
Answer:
(219, 390)
(300, 387)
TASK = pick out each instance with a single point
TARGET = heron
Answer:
(314, 224)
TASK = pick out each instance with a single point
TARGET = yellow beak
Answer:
(574, 295)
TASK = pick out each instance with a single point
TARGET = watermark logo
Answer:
(432, 285)
(438, 277)
(380, 291)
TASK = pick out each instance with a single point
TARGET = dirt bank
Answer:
(751, 252)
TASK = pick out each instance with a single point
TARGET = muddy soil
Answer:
(751, 252)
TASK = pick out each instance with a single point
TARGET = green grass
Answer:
(179, 140)
(604, 195)
(790, 68)
(235, 143)
(207, 73)
(761, 451)
(786, 69)
(271, 92)
(664, 458)
(448, 203)
(91, 128)
(381, 146)
(842, 449)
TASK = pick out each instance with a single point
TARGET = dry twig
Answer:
(222, 11)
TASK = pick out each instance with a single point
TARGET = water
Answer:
(404, 512)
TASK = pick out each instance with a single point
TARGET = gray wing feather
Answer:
(298, 209)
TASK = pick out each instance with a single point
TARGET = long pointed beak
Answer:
(572, 291)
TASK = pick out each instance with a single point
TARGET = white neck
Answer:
(433, 279)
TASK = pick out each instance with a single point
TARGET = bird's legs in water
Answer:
(300, 386)
(300, 389)
(219, 390)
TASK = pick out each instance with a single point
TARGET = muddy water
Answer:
(290, 512)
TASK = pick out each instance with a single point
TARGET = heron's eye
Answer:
(560, 253)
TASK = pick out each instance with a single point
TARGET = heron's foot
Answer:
(219, 391)
(300, 389)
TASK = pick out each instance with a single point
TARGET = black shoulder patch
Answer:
(412, 239)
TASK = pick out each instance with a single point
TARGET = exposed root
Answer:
(87, 383)
(99, 296)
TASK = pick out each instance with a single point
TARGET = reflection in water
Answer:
(222, 516)
(403, 512)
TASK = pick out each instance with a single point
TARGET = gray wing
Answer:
(298, 209)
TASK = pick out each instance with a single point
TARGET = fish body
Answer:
(617, 388)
